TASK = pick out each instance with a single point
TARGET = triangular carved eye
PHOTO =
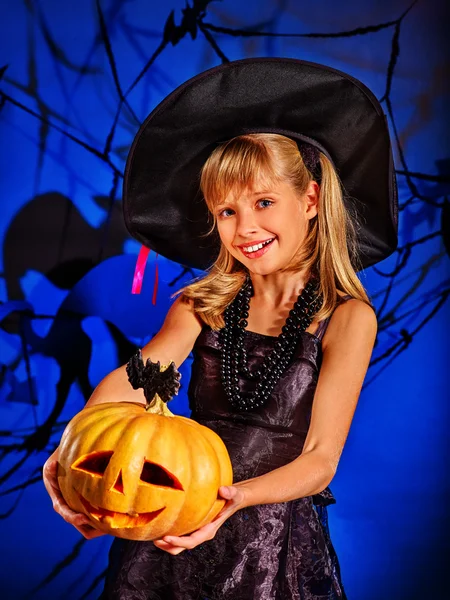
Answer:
(94, 463)
(157, 475)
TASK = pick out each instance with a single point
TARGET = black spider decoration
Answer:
(150, 377)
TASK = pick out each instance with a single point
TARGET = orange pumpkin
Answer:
(141, 473)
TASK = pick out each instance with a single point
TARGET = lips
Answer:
(259, 252)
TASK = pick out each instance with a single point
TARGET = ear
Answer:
(311, 198)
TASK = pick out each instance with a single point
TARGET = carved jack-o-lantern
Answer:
(142, 473)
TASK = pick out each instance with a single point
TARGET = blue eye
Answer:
(223, 215)
(266, 200)
(222, 211)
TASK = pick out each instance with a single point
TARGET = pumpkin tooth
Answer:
(117, 520)
(125, 521)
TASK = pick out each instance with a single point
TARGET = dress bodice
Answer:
(288, 408)
(271, 436)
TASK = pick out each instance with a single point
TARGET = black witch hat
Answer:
(308, 102)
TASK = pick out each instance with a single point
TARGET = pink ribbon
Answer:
(139, 273)
(139, 270)
(155, 285)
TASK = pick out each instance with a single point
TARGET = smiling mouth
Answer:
(259, 251)
(118, 520)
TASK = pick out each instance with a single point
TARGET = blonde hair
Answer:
(329, 249)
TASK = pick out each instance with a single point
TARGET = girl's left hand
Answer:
(236, 497)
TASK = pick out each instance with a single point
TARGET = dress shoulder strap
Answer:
(320, 332)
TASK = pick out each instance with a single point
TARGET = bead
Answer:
(234, 354)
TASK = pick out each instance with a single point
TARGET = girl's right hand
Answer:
(78, 520)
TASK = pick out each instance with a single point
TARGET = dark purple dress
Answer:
(267, 552)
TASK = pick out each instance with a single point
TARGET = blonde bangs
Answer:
(235, 166)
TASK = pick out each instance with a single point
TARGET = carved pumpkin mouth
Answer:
(118, 520)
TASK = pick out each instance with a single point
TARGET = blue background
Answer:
(67, 317)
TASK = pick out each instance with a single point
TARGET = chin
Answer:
(262, 270)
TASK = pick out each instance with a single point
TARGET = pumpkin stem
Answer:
(158, 407)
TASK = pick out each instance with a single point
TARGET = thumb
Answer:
(227, 491)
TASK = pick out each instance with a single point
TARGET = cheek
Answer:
(226, 233)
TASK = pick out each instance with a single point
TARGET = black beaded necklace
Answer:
(234, 355)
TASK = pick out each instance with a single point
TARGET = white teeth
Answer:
(257, 247)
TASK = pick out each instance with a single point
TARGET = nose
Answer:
(246, 224)
(118, 484)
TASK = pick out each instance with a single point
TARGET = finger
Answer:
(164, 545)
(170, 548)
(85, 526)
(226, 491)
(74, 518)
(50, 466)
(180, 542)
(66, 512)
(231, 493)
(57, 497)
(49, 475)
(50, 472)
(89, 532)
(81, 520)
(191, 541)
(62, 508)
(227, 511)
(51, 483)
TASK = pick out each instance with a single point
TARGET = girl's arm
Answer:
(173, 342)
(347, 348)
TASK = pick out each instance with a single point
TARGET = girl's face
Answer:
(262, 227)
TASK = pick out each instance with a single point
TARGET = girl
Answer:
(280, 327)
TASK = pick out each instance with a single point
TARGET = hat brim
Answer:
(163, 206)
